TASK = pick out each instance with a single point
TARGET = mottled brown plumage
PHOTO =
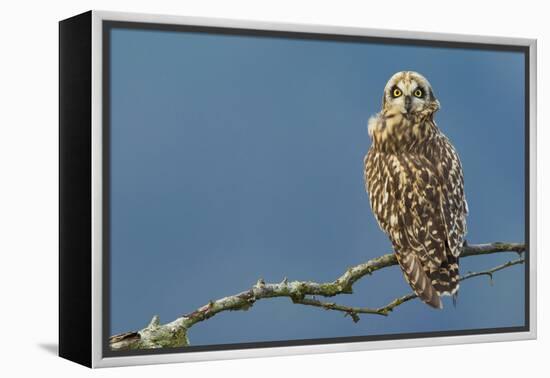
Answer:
(415, 184)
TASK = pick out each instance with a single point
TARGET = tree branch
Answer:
(174, 334)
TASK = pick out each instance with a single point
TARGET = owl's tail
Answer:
(445, 279)
(418, 279)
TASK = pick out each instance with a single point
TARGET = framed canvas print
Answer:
(232, 189)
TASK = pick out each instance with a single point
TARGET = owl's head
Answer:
(408, 92)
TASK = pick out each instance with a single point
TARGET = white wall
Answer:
(28, 190)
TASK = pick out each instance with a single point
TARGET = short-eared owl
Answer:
(416, 188)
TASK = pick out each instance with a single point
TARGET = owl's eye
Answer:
(418, 93)
(397, 92)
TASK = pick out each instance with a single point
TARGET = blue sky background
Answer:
(239, 157)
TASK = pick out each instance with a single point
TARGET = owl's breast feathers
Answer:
(416, 190)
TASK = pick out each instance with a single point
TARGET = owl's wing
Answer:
(420, 223)
(453, 200)
(406, 198)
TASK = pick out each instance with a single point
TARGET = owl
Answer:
(415, 184)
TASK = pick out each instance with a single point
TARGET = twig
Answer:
(354, 311)
(349, 311)
(390, 306)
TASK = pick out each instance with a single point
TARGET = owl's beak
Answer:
(408, 103)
